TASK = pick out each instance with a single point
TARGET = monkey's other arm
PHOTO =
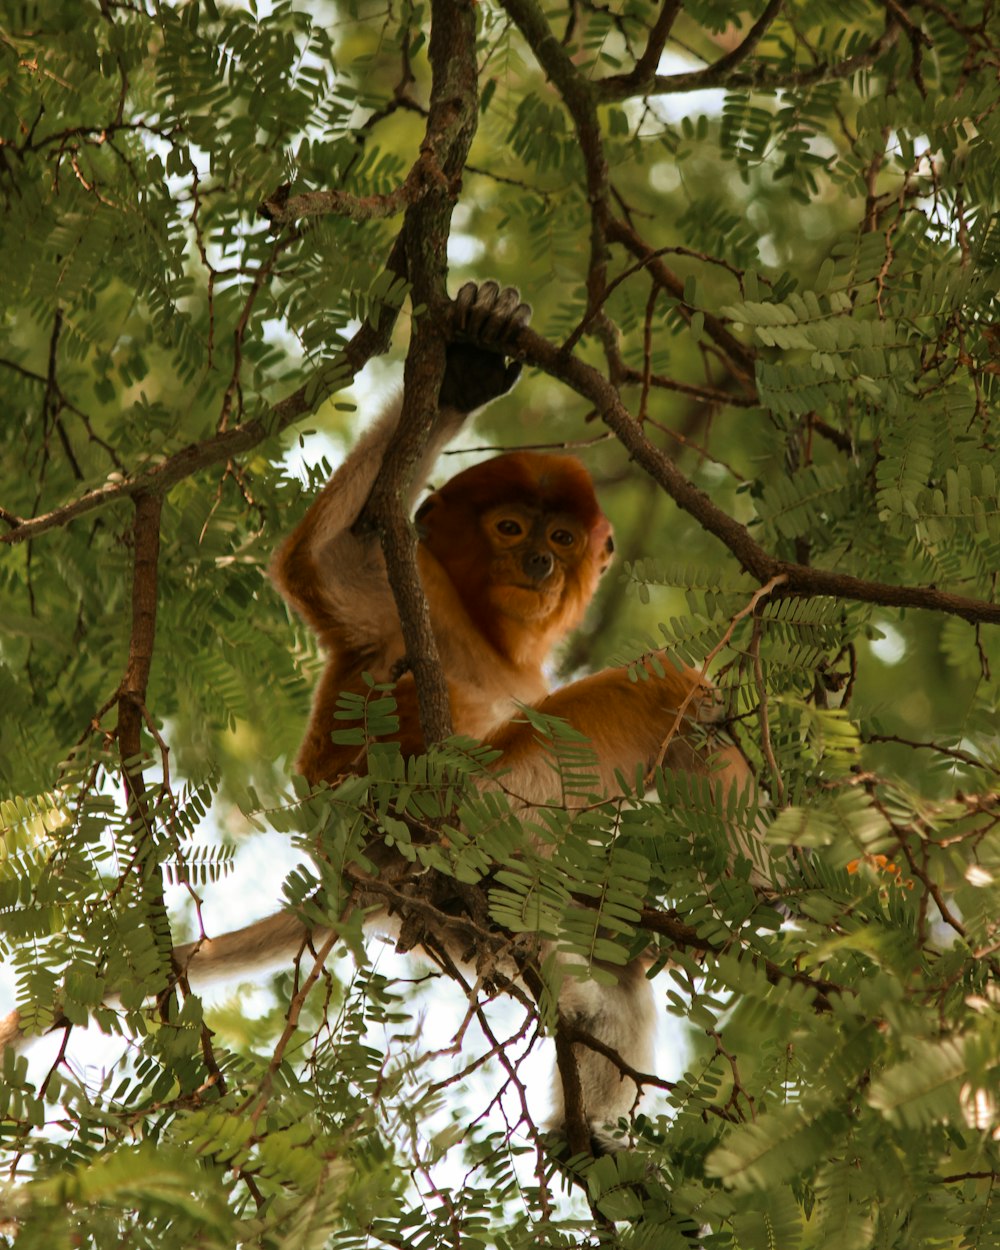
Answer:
(630, 723)
(666, 719)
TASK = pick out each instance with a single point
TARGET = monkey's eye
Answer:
(510, 528)
(562, 538)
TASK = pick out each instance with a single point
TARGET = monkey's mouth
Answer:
(525, 601)
(543, 593)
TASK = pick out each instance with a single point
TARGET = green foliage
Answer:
(825, 951)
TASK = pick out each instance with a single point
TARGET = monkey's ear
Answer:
(421, 515)
(602, 545)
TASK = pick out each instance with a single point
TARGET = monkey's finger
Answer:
(506, 317)
(520, 317)
(481, 307)
(464, 300)
(489, 314)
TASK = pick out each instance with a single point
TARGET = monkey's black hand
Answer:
(477, 372)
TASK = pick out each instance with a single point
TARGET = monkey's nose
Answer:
(537, 565)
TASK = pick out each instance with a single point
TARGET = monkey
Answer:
(510, 554)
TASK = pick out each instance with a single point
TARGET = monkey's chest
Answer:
(478, 708)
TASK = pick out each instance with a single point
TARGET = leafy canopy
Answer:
(767, 239)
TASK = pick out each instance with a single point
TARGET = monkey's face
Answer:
(534, 560)
(524, 542)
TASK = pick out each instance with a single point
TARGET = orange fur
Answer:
(510, 554)
(499, 603)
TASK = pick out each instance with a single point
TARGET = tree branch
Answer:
(642, 76)
(132, 694)
(740, 355)
(579, 97)
(371, 340)
(132, 701)
(688, 938)
(281, 208)
(801, 579)
(451, 124)
(761, 78)
(749, 46)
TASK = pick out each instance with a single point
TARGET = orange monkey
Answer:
(510, 554)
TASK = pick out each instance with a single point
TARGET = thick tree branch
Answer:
(575, 1124)
(451, 124)
(132, 695)
(132, 702)
(578, 96)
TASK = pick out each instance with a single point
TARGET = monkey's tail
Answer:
(11, 1033)
(273, 941)
(252, 949)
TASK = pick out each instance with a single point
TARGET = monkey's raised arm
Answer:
(330, 573)
(333, 573)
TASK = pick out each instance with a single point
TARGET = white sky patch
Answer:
(370, 391)
(890, 649)
(463, 249)
(665, 177)
(672, 108)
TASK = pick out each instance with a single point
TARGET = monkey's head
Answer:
(524, 541)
